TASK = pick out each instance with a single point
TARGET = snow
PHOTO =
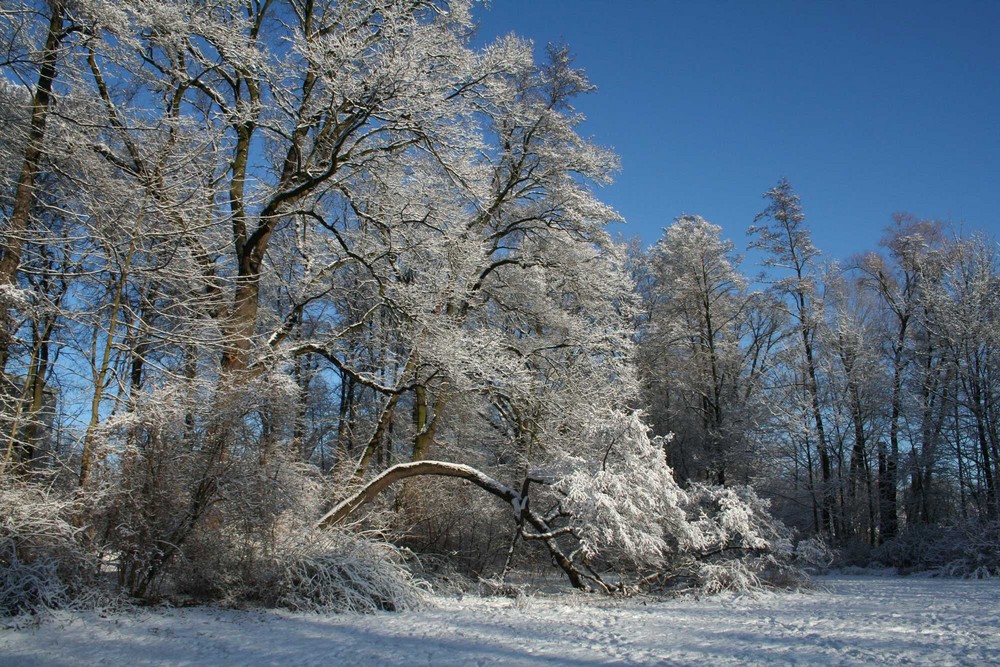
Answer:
(847, 621)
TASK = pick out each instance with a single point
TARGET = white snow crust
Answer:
(846, 621)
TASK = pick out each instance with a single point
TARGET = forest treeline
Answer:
(269, 268)
(859, 394)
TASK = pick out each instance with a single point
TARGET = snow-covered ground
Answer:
(850, 620)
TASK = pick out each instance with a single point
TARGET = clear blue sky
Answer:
(868, 108)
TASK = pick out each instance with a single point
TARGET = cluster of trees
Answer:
(862, 396)
(263, 259)
(250, 244)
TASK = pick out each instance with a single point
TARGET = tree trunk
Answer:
(886, 496)
(425, 424)
(888, 502)
(37, 378)
(984, 451)
(827, 494)
(385, 419)
(24, 194)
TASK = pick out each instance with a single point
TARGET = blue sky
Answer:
(868, 108)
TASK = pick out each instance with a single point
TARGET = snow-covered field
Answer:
(850, 620)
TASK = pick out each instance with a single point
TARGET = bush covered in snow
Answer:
(736, 545)
(45, 559)
(237, 528)
(29, 588)
(258, 545)
(626, 506)
(340, 571)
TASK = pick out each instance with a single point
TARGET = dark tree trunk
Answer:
(24, 194)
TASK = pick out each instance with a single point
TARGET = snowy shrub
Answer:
(736, 546)
(256, 545)
(728, 576)
(152, 496)
(912, 549)
(813, 554)
(735, 519)
(748, 574)
(855, 551)
(202, 485)
(497, 586)
(230, 554)
(628, 511)
(339, 571)
(978, 555)
(45, 562)
(440, 574)
(29, 588)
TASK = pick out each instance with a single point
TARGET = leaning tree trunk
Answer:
(402, 471)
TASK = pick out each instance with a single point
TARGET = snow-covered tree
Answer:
(787, 245)
(701, 356)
